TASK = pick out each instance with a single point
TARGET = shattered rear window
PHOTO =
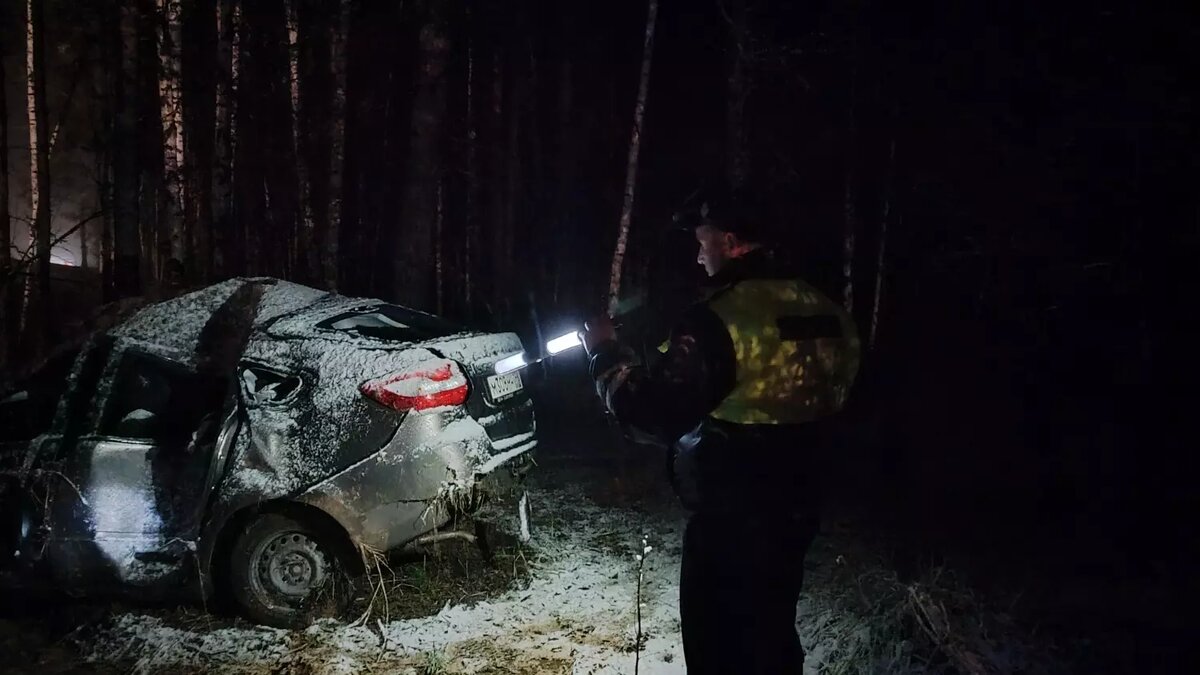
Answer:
(390, 322)
(28, 407)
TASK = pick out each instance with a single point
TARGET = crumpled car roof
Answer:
(194, 326)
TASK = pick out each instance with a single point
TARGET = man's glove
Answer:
(597, 331)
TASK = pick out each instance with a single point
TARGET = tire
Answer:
(286, 572)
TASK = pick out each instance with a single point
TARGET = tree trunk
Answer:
(439, 276)
(7, 325)
(566, 161)
(151, 160)
(738, 154)
(280, 162)
(351, 243)
(223, 140)
(305, 262)
(198, 98)
(313, 102)
(413, 278)
(514, 111)
(495, 173)
(849, 201)
(170, 102)
(881, 260)
(471, 215)
(331, 246)
(128, 253)
(39, 300)
(635, 143)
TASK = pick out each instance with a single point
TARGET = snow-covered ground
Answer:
(576, 615)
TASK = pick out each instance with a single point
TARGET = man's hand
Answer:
(597, 331)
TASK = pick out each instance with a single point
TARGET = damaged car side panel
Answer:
(413, 485)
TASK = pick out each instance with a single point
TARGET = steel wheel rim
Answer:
(287, 569)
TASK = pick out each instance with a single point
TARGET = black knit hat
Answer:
(736, 211)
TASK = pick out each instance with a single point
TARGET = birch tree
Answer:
(7, 306)
(171, 111)
(471, 212)
(337, 157)
(881, 259)
(631, 167)
(308, 262)
(38, 291)
(228, 15)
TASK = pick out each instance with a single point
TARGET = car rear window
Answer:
(390, 322)
(27, 408)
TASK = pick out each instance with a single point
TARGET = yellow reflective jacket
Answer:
(797, 352)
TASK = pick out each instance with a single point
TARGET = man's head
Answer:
(719, 246)
(725, 224)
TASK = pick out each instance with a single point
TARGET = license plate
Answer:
(504, 386)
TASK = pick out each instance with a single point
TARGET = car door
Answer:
(141, 468)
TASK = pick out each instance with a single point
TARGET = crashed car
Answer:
(256, 436)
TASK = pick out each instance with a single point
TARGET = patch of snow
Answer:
(512, 441)
(579, 606)
(498, 460)
(477, 348)
(284, 297)
(175, 324)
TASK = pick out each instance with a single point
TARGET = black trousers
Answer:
(738, 588)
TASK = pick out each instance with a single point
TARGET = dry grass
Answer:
(859, 618)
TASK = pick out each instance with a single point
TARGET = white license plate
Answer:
(504, 386)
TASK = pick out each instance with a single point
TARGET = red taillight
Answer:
(431, 384)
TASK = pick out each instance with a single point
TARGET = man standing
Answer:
(741, 396)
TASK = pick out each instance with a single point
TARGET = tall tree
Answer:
(631, 166)
(174, 192)
(153, 197)
(881, 259)
(314, 99)
(224, 238)
(306, 263)
(568, 173)
(737, 90)
(38, 305)
(471, 212)
(849, 197)
(331, 251)
(198, 100)
(352, 278)
(7, 285)
(128, 254)
(414, 278)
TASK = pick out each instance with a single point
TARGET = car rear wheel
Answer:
(286, 572)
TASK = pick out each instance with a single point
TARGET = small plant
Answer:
(435, 664)
(639, 639)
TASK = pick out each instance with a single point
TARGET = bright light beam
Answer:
(563, 342)
(511, 363)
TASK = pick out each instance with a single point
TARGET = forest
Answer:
(1003, 195)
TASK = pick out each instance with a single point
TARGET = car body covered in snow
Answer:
(254, 433)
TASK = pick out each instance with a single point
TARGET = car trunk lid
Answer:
(500, 403)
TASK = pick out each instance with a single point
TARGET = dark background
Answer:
(1027, 406)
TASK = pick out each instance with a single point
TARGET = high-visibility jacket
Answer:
(797, 352)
